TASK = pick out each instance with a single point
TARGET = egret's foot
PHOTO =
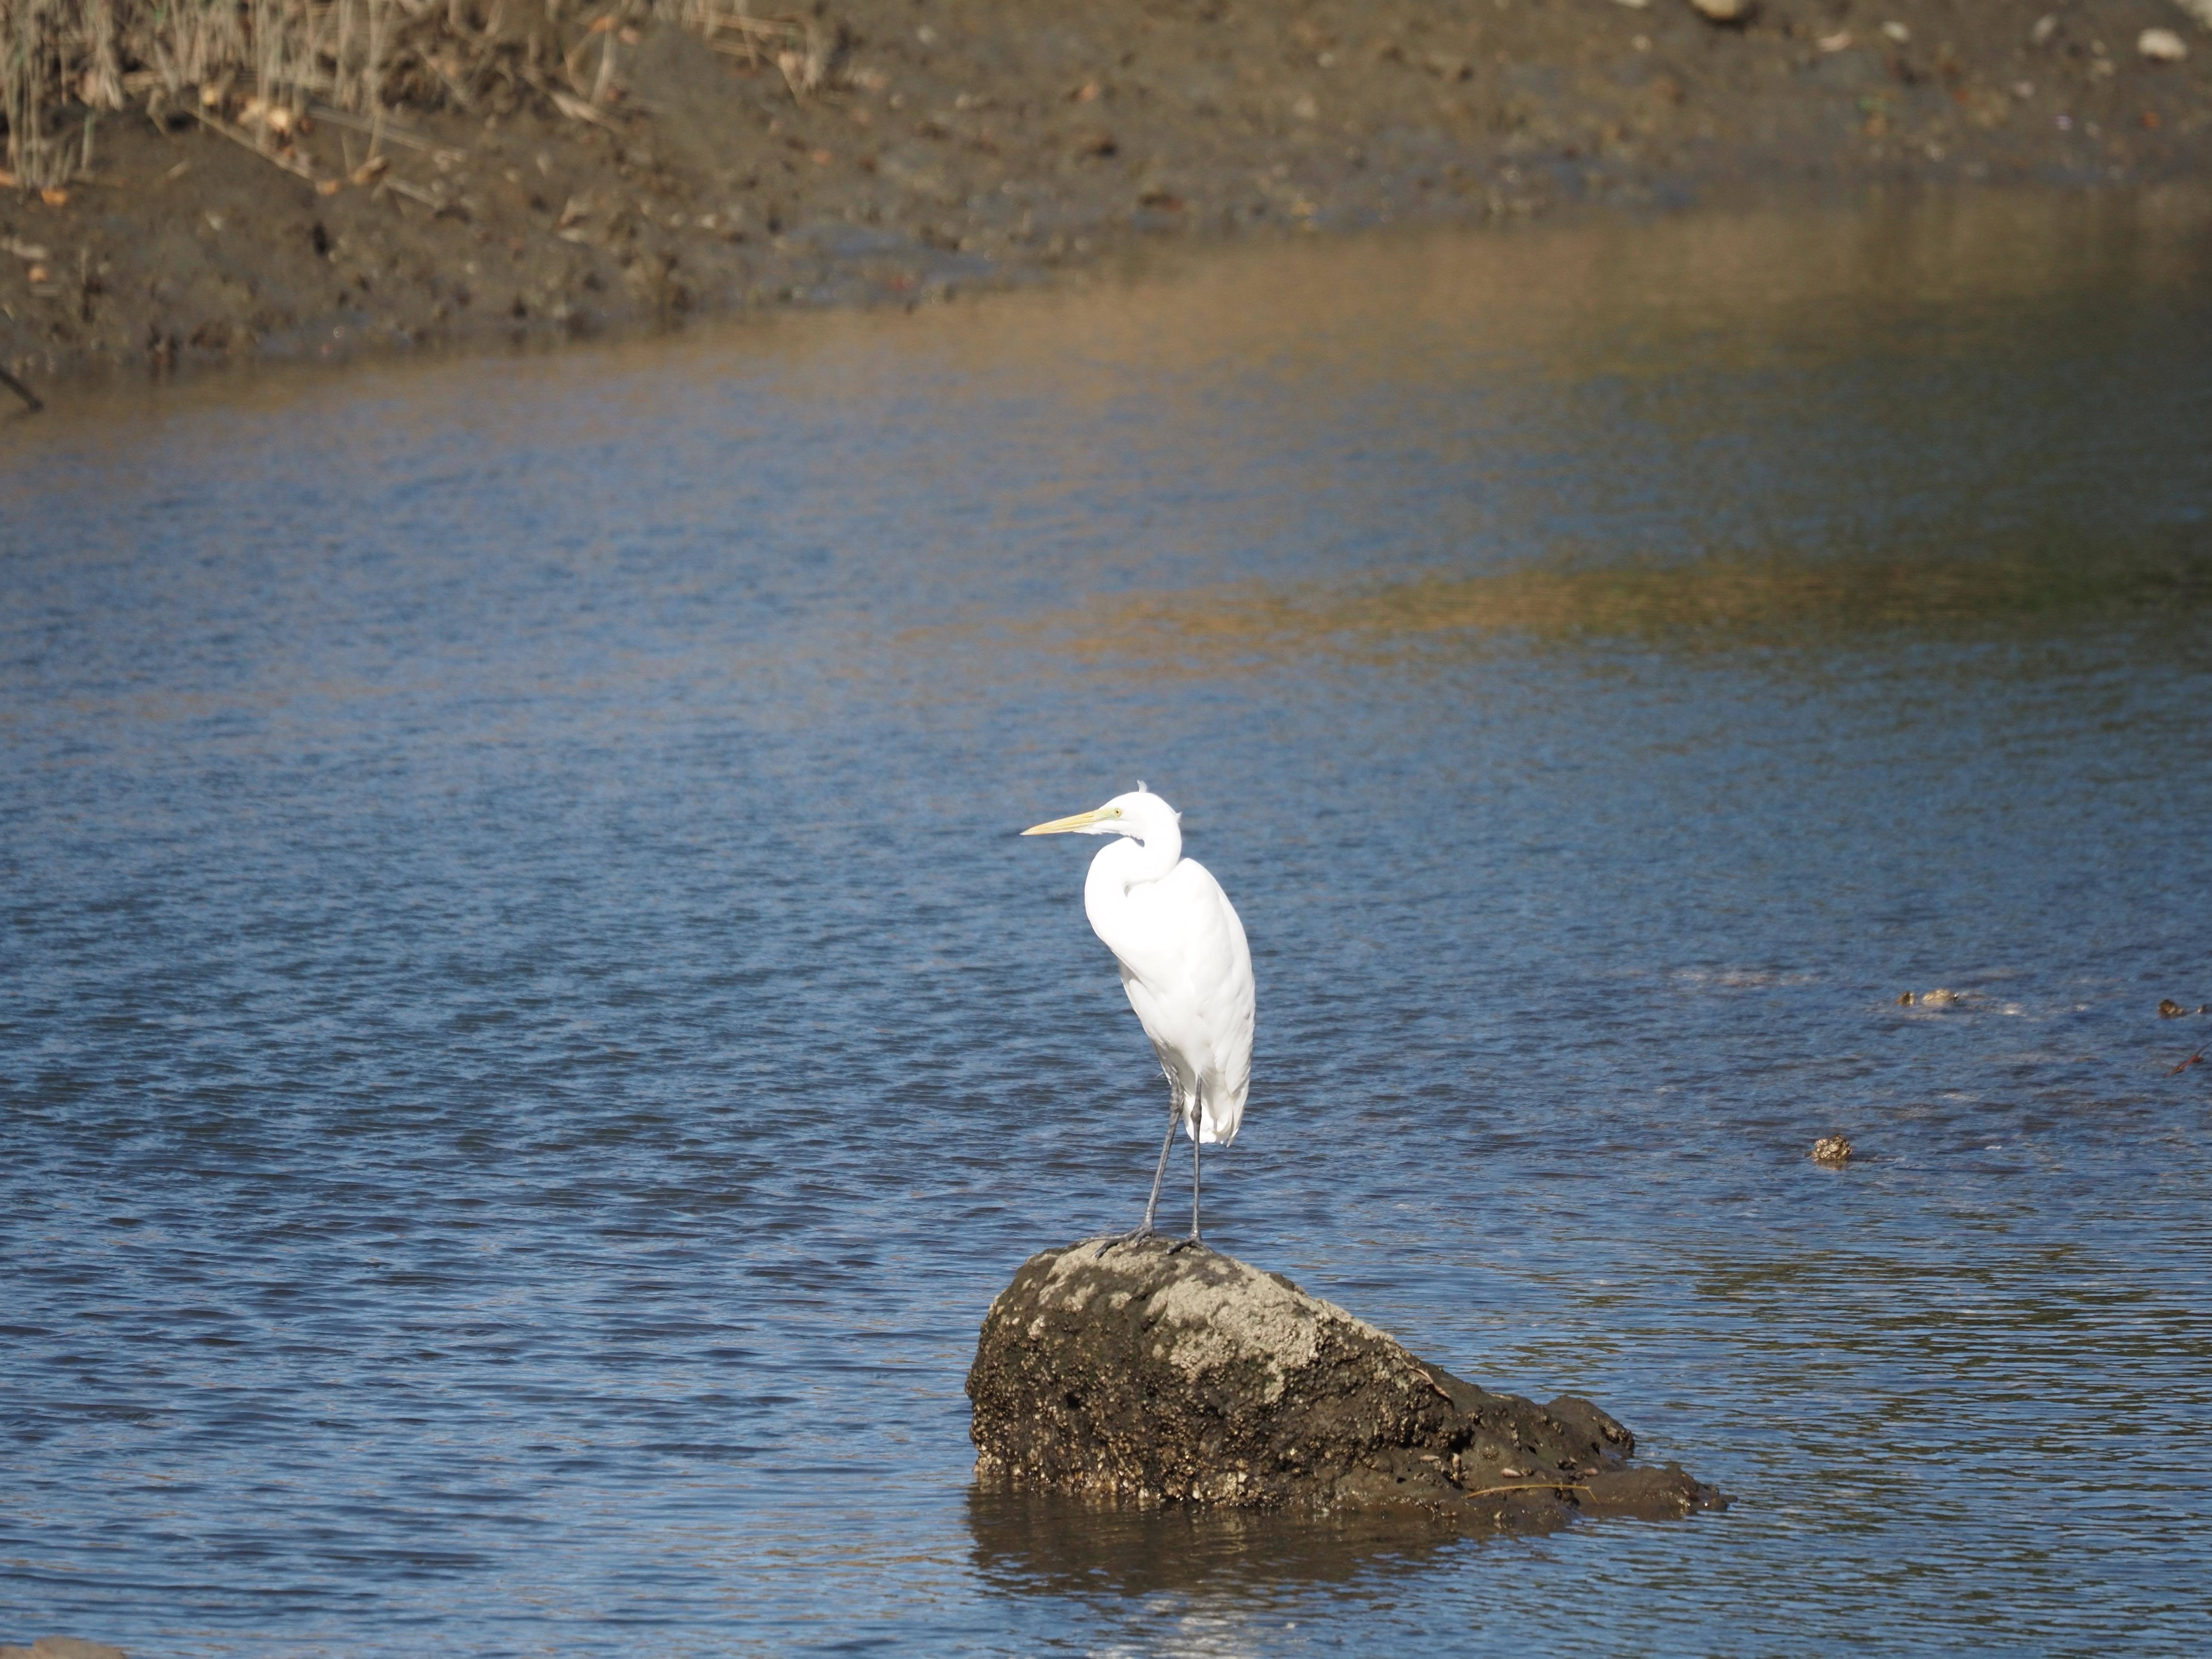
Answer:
(1130, 1237)
(1193, 1242)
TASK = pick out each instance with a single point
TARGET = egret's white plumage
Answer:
(1184, 963)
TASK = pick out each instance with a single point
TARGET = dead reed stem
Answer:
(60, 56)
(261, 64)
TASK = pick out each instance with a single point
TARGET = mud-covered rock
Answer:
(1166, 1376)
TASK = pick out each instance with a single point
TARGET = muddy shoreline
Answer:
(948, 147)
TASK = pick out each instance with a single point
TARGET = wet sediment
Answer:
(910, 151)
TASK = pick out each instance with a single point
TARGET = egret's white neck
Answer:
(1148, 853)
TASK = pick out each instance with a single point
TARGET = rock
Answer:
(1831, 1150)
(1730, 12)
(1155, 1375)
(1938, 997)
(2162, 46)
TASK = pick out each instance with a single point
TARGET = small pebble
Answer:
(1831, 1150)
(1725, 11)
(2162, 46)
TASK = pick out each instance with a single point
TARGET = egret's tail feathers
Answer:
(1210, 1124)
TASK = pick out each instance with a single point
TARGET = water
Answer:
(530, 1041)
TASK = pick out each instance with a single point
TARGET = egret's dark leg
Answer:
(1144, 1230)
(1197, 1120)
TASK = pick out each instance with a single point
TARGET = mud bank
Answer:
(1145, 1373)
(919, 147)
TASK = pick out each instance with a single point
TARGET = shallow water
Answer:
(529, 1041)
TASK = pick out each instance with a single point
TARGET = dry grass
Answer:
(262, 63)
(62, 62)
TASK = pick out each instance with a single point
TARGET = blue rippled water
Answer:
(527, 1040)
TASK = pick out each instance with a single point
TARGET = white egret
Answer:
(1184, 963)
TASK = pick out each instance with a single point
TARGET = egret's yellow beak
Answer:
(1067, 825)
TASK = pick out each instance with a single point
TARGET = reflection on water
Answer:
(1038, 1544)
(527, 1040)
(1704, 603)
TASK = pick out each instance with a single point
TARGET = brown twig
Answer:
(1538, 1486)
(576, 109)
(412, 192)
(20, 391)
(2186, 1064)
(385, 129)
(297, 169)
(752, 31)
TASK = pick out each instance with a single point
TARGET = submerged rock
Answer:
(1163, 1376)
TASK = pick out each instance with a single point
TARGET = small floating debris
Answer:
(1831, 1150)
(2169, 1009)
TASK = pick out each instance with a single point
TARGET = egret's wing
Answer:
(1189, 972)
